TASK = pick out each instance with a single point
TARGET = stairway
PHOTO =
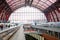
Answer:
(36, 36)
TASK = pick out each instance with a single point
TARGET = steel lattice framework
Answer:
(51, 8)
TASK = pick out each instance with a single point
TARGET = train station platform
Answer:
(19, 35)
(12, 33)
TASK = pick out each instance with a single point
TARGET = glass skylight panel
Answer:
(44, 0)
(15, 3)
(42, 4)
(35, 0)
(59, 9)
(49, 3)
(38, 6)
(16, 6)
(53, 1)
(34, 3)
(8, 0)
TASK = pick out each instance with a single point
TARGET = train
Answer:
(5, 25)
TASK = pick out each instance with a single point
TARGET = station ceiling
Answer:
(49, 7)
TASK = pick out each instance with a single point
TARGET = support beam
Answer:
(30, 3)
(56, 15)
(52, 16)
(26, 2)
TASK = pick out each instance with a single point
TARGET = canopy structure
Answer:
(51, 8)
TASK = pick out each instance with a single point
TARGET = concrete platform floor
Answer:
(19, 35)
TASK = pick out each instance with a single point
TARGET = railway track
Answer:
(6, 35)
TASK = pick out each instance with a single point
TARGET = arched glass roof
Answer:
(41, 4)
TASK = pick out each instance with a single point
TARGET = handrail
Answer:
(48, 28)
(32, 32)
(54, 32)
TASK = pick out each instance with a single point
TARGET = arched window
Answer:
(27, 15)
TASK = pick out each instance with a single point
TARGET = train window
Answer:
(56, 34)
(47, 32)
(59, 35)
(52, 34)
